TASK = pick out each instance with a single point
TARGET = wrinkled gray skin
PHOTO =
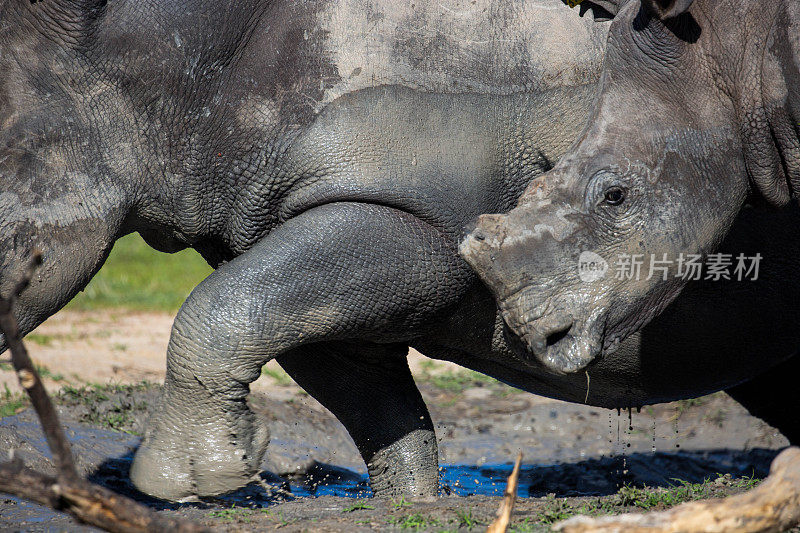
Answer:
(697, 110)
(324, 157)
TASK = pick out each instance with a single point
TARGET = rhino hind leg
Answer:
(371, 391)
(774, 397)
(354, 272)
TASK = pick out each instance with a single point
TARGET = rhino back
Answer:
(242, 100)
(443, 109)
(283, 62)
(457, 46)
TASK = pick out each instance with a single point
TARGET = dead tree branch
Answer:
(69, 492)
(32, 383)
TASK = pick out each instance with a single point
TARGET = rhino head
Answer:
(697, 108)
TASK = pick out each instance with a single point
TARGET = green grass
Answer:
(629, 498)
(238, 514)
(466, 519)
(40, 339)
(11, 402)
(400, 503)
(118, 416)
(278, 375)
(459, 381)
(139, 278)
(44, 372)
(413, 521)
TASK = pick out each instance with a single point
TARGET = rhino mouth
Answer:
(557, 337)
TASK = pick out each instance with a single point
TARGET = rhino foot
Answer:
(408, 467)
(199, 456)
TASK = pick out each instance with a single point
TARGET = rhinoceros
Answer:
(324, 157)
(696, 118)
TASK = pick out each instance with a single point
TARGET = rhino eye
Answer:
(615, 195)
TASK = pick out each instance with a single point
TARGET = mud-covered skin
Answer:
(697, 109)
(324, 157)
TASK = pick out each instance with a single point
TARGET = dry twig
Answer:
(69, 492)
(500, 523)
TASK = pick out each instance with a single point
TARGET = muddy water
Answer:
(570, 450)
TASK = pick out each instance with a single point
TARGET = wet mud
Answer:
(576, 459)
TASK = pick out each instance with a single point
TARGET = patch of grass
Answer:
(717, 417)
(661, 498)
(413, 521)
(224, 514)
(12, 406)
(526, 525)
(452, 381)
(282, 522)
(744, 482)
(629, 498)
(119, 416)
(465, 518)
(556, 511)
(12, 402)
(278, 375)
(232, 514)
(360, 506)
(682, 491)
(456, 382)
(44, 372)
(40, 338)
(428, 365)
(401, 502)
(138, 277)
(682, 406)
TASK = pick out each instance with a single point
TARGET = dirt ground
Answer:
(115, 346)
(576, 458)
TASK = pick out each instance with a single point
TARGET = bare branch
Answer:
(32, 383)
(89, 503)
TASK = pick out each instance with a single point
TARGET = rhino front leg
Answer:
(339, 272)
(371, 391)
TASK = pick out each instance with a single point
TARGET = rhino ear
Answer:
(612, 6)
(667, 9)
(601, 9)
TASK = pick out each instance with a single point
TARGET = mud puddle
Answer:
(577, 458)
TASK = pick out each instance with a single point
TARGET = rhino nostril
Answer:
(553, 338)
(550, 331)
(479, 236)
